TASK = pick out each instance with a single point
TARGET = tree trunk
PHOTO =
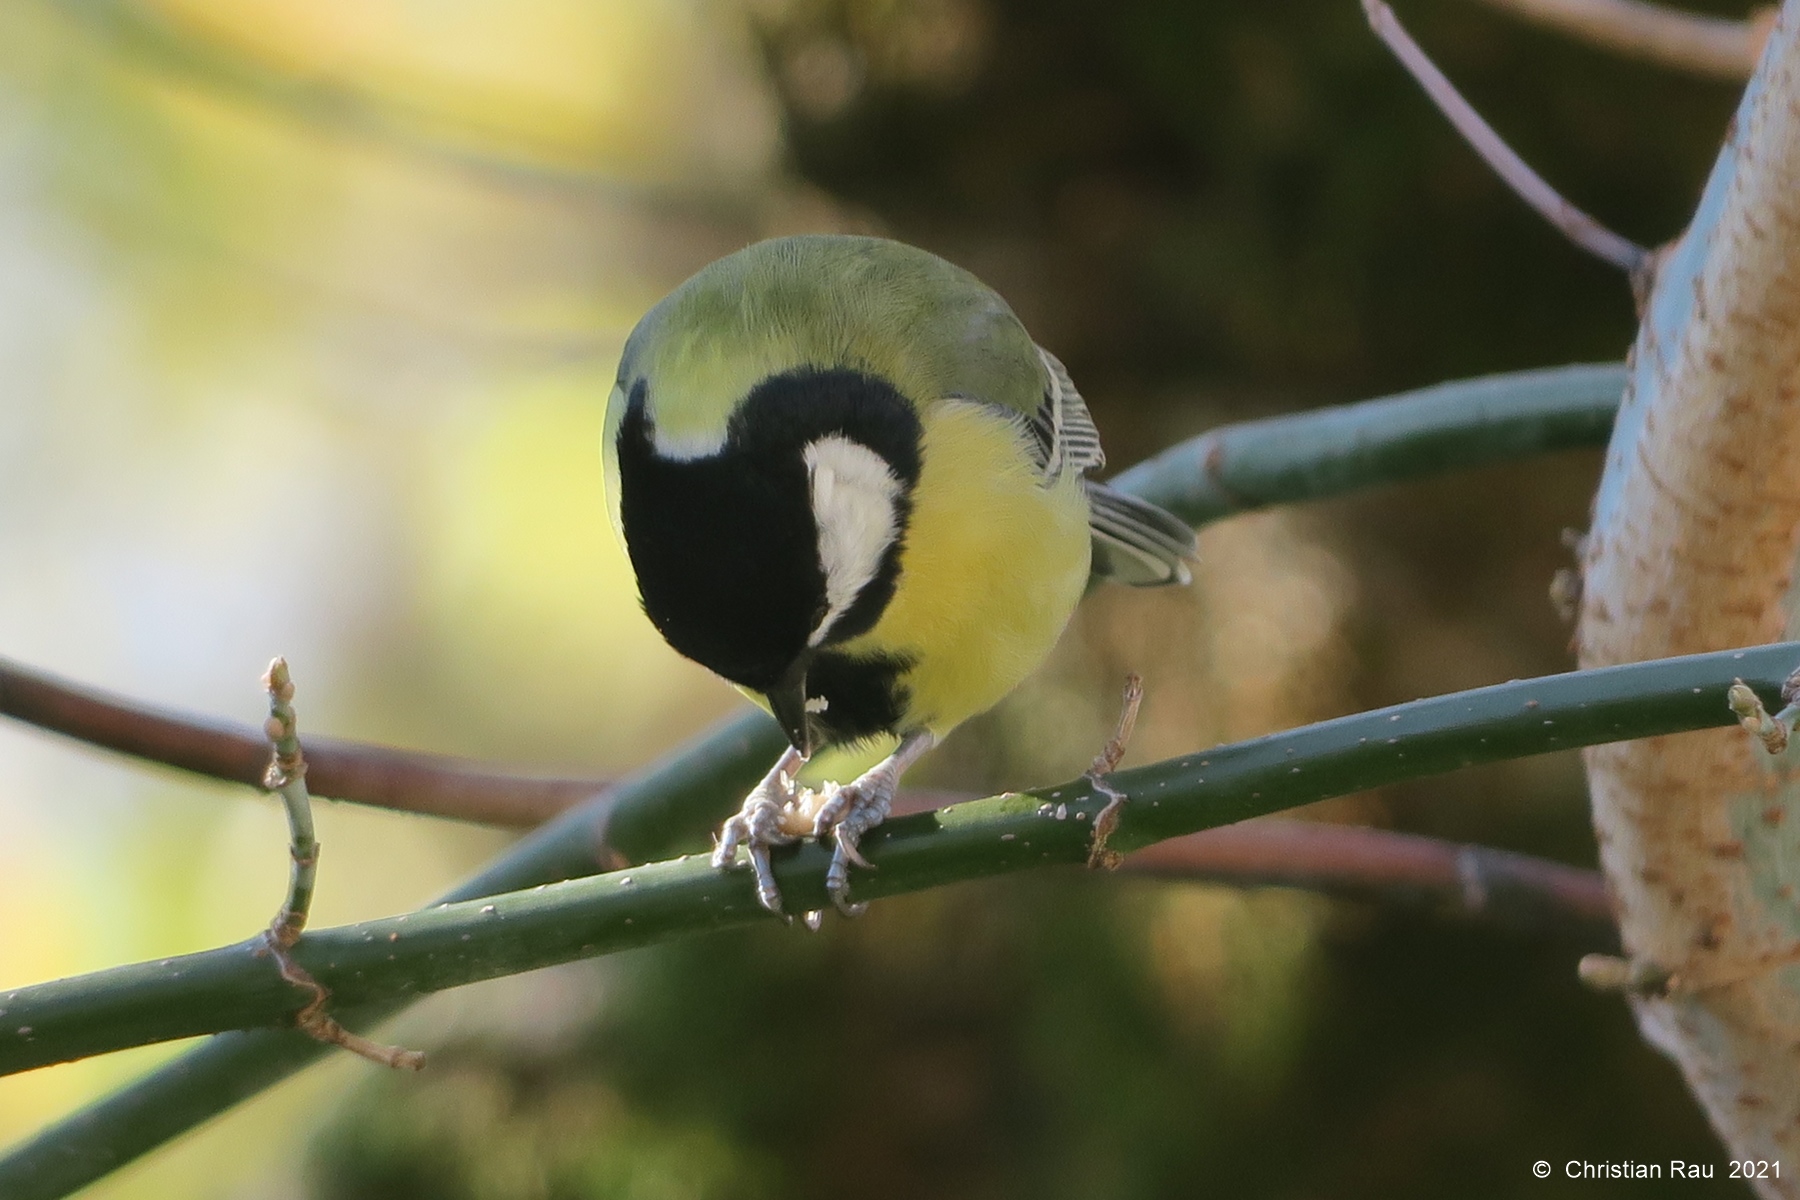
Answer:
(1695, 531)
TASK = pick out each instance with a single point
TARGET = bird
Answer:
(850, 483)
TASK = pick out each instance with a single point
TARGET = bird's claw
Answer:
(757, 826)
(850, 812)
(767, 893)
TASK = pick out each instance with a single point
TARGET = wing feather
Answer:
(1135, 542)
(1062, 426)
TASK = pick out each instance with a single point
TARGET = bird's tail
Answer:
(1136, 542)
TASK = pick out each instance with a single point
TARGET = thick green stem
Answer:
(1329, 451)
(379, 962)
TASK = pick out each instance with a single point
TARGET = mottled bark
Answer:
(1693, 545)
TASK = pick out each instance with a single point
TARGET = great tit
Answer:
(851, 484)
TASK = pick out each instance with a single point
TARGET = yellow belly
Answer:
(992, 567)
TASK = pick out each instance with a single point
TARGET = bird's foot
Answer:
(1105, 763)
(849, 812)
(855, 808)
(779, 812)
(768, 818)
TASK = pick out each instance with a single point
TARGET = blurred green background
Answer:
(308, 311)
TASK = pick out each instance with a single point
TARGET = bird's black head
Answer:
(760, 559)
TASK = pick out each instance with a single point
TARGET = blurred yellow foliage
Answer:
(309, 313)
(639, 89)
(522, 578)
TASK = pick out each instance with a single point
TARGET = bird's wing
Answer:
(1135, 542)
(1063, 432)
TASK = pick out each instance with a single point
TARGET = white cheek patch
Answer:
(854, 500)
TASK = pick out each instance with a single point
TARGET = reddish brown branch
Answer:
(1689, 41)
(410, 781)
(1356, 862)
(1380, 864)
(1526, 183)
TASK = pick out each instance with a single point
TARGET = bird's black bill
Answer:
(787, 700)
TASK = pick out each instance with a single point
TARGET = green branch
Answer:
(1298, 457)
(1329, 451)
(379, 962)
